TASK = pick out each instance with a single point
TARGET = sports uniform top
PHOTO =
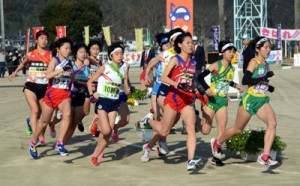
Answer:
(167, 55)
(62, 80)
(38, 66)
(260, 89)
(221, 78)
(183, 73)
(123, 70)
(109, 83)
(82, 76)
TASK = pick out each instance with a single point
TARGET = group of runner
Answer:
(55, 83)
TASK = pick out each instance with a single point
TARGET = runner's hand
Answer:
(184, 86)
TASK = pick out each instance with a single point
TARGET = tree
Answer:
(73, 14)
(297, 14)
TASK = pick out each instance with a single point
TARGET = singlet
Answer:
(259, 89)
(62, 80)
(82, 76)
(219, 81)
(158, 72)
(38, 66)
(123, 70)
(109, 83)
(167, 55)
(94, 68)
(183, 73)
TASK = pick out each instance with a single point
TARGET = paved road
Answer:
(122, 165)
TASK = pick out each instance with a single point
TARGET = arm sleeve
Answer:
(201, 80)
(248, 80)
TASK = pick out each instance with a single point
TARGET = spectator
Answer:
(16, 59)
(9, 63)
(2, 63)
(199, 56)
(248, 51)
(147, 55)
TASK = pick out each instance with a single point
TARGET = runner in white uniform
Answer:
(110, 80)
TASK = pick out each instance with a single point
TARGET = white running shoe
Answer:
(268, 162)
(59, 114)
(217, 153)
(144, 121)
(145, 157)
(163, 147)
(194, 164)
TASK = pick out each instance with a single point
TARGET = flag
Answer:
(149, 38)
(36, 30)
(179, 13)
(106, 33)
(216, 32)
(139, 39)
(278, 41)
(27, 40)
(86, 35)
(61, 31)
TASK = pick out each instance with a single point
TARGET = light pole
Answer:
(2, 24)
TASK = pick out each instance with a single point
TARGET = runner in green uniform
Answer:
(255, 101)
(222, 75)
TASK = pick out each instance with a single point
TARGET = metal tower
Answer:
(249, 17)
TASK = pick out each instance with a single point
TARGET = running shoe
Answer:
(95, 162)
(28, 129)
(61, 149)
(216, 150)
(194, 164)
(41, 141)
(268, 161)
(144, 121)
(58, 114)
(163, 147)
(32, 150)
(115, 136)
(94, 127)
(52, 131)
(80, 126)
(146, 151)
(217, 162)
(159, 153)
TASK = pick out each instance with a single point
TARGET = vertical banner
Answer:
(149, 38)
(216, 32)
(139, 39)
(106, 33)
(180, 14)
(35, 30)
(27, 41)
(86, 35)
(278, 41)
(61, 31)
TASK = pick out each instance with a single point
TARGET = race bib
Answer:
(37, 73)
(111, 90)
(62, 81)
(222, 87)
(261, 88)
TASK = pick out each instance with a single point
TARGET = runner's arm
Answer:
(165, 75)
(94, 77)
(151, 64)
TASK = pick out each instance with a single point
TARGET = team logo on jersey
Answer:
(99, 107)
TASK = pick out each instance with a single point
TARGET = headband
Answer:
(164, 40)
(259, 42)
(115, 50)
(175, 34)
(227, 46)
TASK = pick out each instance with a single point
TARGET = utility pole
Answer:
(2, 24)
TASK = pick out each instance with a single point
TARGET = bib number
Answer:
(222, 87)
(261, 88)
